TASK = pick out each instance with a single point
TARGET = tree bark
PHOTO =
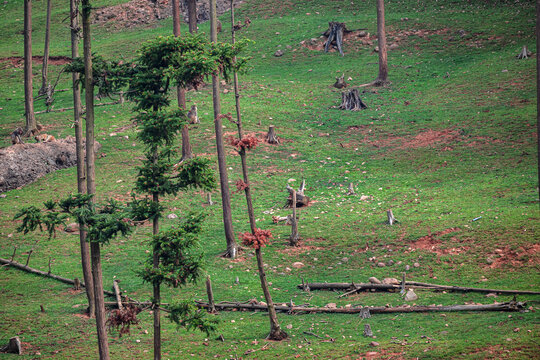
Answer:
(538, 83)
(293, 240)
(350, 100)
(180, 92)
(192, 15)
(95, 250)
(210, 294)
(382, 79)
(187, 153)
(45, 67)
(31, 124)
(156, 288)
(271, 137)
(222, 165)
(81, 178)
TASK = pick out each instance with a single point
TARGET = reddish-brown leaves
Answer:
(248, 142)
(257, 240)
(240, 186)
(121, 320)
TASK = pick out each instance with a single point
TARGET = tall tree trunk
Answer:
(156, 289)
(81, 179)
(382, 79)
(538, 81)
(31, 124)
(192, 15)
(275, 330)
(223, 177)
(95, 250)
(180, 92)
(45, 67)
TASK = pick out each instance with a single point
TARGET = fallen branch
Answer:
(352, 287)
(234, 306)
(28, 269)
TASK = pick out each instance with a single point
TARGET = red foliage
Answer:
(257, 240)
(248, 142)
(227, 116)
(121, 320)
(240, 186)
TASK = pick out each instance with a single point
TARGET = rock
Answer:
(376, 49)
(362, 34)
(345, 259)
(381, 264)
(365, 198)
(3, 196)
(393, 46)
(391, 281)
(374, 280)
(416, 265)
(298, 265)
(390, 262)
(71, 228)
(262, 303)
(113, 134)
(374, 344)
(225, 91)
(490, 261)
(172, 216)
(407, 268)
(367, 330)
(278, 53)
(331, 306)
(289, 326)
(288, 47)
(411, 296)
(288, 269)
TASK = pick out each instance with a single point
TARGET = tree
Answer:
(45, 66)
(382, 79)
(232, 248)
(81, 178)
(192, 15)
(31, 124)
(180, 92)
(95, 250)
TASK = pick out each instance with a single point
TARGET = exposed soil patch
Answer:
(303, 246)
(432, 243)
(18, 61)
(425, 138)
(507, 257)
(143, 12)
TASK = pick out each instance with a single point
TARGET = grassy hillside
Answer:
(451, 140)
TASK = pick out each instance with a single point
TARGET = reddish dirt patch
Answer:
(303, 247)
(18, 61)
(82, 316)
(506, 257)
(431, 243)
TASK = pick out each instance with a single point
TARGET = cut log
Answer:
(116, 289)
(209, 199)
(25, 163)
(301, 199)
(13, 347)
(335, 36)
(271, 137)
(350, 100)
(524, 53)
(235, 306)
(409, 284)
(211, 307)
(351, 189)
(391, 219)
(340, 82)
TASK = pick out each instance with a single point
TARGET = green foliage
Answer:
(31, 219)
(186, 315)
(52, 220)
(103, 227)
(159, 128)
(144, 209)
(50, 204)
(111, 207)
(196, 173)
(75, 201)
(155, 175)
(178, 251)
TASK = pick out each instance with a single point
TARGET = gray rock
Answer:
(411, 295)
(381, 264)
(374, 280)
(416, 265)
(278, 53)
(172, 216)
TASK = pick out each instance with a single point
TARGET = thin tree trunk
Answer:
(382, 79)
(538, 81)
(81, 179)
(192, 15)
(180, 92)
(223, 177)
(156, 288)
(45, 67)
(187, 153)
(31, 124)
(95, 251)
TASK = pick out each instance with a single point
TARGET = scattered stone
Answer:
(491, 295)
(390, 262)
(331, 306)
(407, 268)
(172, 216)
(374, 344)
(288, 269)
(289, 326)
(365, 198)
(71, 228)
(376, 49)
(416, 265)
(381, 264)
(367, 331)
(393, 46)
(374, 280)
(345, 259)
(489, 261)
(113, 134)
(362, 34)
(411, 296)
(3, 196)
(391, 281)
(278, 53)
(288, 47)
(298, 265)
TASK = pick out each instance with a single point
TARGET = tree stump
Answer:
(391, 219)
(367, 331)
(350, 100)
(293, 239)
(301, 199)
(13, 347)
(524, 53)
(340, 82)
(335, 35)
(271, 137)
(351, 189)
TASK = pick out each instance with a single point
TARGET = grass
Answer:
(452, 139)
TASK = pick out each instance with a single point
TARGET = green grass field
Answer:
(451, 140)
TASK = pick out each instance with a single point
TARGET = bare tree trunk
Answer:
(187, 153)
(223, 177)
(31, 124)
(180, 92)
(156, 289)
(192, 15)
(293, 240)
(81, 178)
(538, 80)
(382, 79)
(45, 67)
(95, 250)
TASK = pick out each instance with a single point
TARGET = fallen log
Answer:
(411, 284)
(233, 306)
(30, 270)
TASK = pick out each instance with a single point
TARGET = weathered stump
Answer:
(301, 199)
(335, 35)
(351, 189)
(391, 219)
(13, 347)
(271, 137)
(524, 53)
(340, 82)
(350, 100)
(293, 239)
